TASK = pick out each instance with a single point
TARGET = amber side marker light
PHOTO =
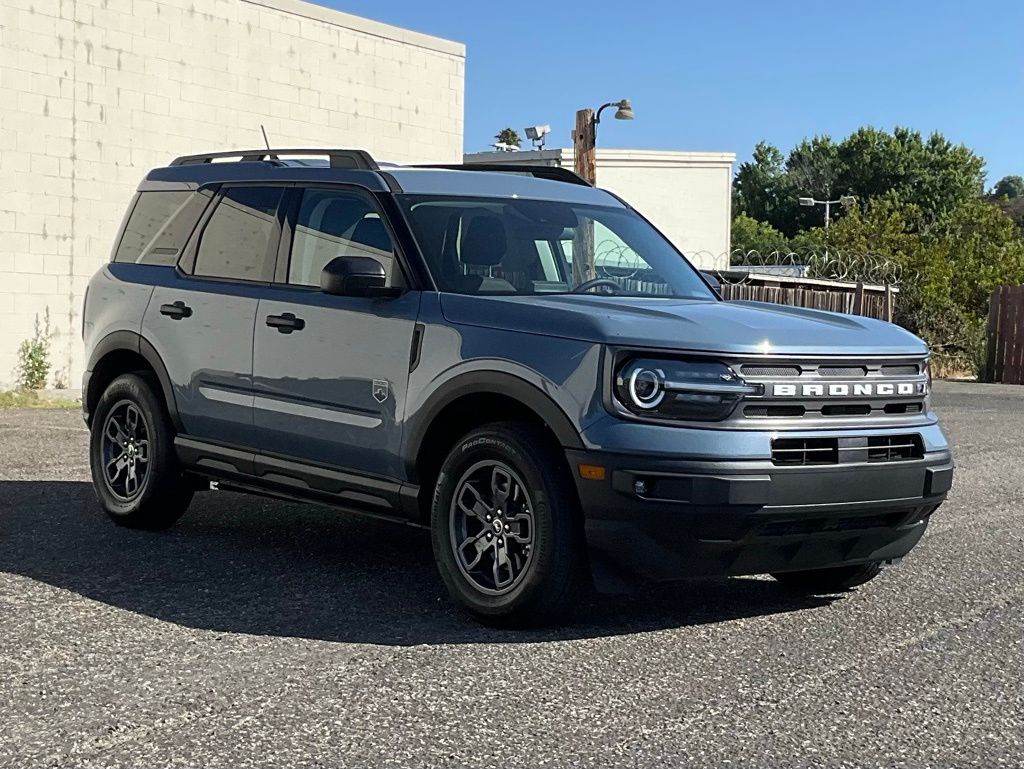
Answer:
(592, 472)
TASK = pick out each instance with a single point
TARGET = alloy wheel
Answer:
(492, 527)
(125, 451)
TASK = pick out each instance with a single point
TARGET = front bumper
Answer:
(666, 518)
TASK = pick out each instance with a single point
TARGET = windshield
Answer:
(512, 246)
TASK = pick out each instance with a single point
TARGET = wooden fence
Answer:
(1005, 361)
(852, 298)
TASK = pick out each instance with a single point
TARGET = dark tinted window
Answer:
(240, 235)
(159, 225)
(331, 224)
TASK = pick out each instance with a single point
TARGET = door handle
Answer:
(286, 322)
(176, 311)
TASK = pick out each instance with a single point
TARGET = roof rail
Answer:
(554, 173)
(338, 158)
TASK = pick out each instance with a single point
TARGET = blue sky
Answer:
(723, 75)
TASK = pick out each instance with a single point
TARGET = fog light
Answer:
(640, 487)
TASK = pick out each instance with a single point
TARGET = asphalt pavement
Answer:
(260, 633)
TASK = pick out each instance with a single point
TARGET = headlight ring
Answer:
(647, 387)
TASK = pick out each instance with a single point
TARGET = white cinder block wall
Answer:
(93, 93)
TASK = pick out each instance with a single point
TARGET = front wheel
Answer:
(506, 527)
(135, 471)
(834, 580)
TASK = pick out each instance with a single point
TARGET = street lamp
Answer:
(623, 110)
(584, 138)
(844, 200)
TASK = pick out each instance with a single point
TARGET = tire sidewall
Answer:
(497, 444)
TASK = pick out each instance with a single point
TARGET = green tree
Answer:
(509, 136)
(985, 250)
(748, 235)
(933, 174)
(1009, 187)
(762, 190)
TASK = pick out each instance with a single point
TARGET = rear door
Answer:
(200, 320)
(330, 383)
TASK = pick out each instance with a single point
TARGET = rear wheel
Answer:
(135, 472)
(834, 580)
(506, 527)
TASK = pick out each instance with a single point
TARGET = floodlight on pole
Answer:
(844, 200)
(536, 134)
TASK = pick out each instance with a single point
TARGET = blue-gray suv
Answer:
(508, 356)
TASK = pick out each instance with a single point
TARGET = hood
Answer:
(685, 324)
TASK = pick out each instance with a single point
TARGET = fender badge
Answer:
(380, 390)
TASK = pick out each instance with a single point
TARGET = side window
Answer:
(159, 225)
(238, 239)
(335, 223)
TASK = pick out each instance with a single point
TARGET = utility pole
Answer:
(584, 144)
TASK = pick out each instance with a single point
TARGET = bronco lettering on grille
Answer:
(849, 390)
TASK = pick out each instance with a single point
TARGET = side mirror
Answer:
(354, 276)
(713, 280)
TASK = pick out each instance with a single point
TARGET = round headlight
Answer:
(647, 387)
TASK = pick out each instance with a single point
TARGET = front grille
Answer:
(846, 450)
(813, 391)
(903, 408)
(805, 451)
(842, 371)
(894, 448)
(769, 371)
(778, 412)
(846, 410)
(910, 369)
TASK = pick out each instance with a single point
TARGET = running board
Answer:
(298, 480)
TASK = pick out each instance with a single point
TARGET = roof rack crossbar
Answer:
(339, 158)
(553, 173)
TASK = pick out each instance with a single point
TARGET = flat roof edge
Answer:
(320, 13)
(606, 156)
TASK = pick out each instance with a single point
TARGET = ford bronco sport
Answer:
(511, 357)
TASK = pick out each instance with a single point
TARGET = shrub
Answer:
(34, 357)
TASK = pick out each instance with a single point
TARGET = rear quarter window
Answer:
(240, 240)
(159, 226)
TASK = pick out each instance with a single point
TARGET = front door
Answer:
(330, 372)
(201, 324)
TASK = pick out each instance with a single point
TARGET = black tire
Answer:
(160, 494)
(542, 529)
(834, 580)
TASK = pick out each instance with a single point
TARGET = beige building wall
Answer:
(94, 93)
(687, 195)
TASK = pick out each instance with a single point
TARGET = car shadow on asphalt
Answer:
(247, 564)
